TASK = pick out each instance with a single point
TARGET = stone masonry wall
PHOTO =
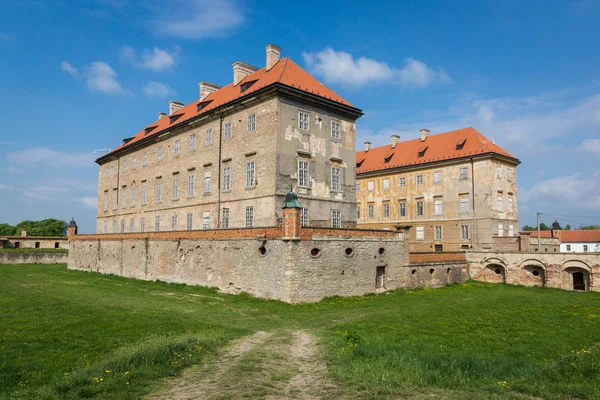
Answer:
(32, 258)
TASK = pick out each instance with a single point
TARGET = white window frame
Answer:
(420, 208)
(227, 178)
(252, 122)
(158, 192)
(207, 178)
(176, 189)
(104, 227)
(402, 209)
(370, 211)
(143, 194)
(419, 180)
(420, 233)
(438, 232)
(250, 174)
(437, 177)
(464, 173)
(402, 181)
(174, 222)
(499, 172)
(131, 225)
(500, 204)
(303, 121)
(500, 230)
(189, 221)
(123, 197)
(157, 223)
(206, 220)
(177, 148)
(386, 209)
(209, 136)
(228, 131)
(336, 218)
(509, 174)
(134, 163)
(191, 184)
(114, 226)
(115, 200)
(132, 197)
(336, 177)
(370, 186)
(464, 205)
(386, 183)
(438, 205)
(249, 216)
(145, 159)
(510, 205)
(142, 224)
(124, 165)
(511, 230)
(304, 220)
(464, 232)
(303, 173)
(159, 153)
(105, 199)
(336, 130)
(225, 219)
(193, 142)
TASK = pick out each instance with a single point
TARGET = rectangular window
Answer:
(511, 230)
(438, 232)
(225, 220)
(386, 210)
(192, 142)
(386, 183)
(131, 223)
(226, 178)
(175, 189)
(177, 148)
(357, 187)
(303, 178)
(142, 224)
(509, 175)
(419, 180)
(464, 205)
(303, 121)
(115, 197)
(123, 197)
(585, 248)
(335, 130)
(145, 159)
(500, 230)
(207, 182)
(208, 137)
(437, 177)
(174, 222)
(568, 246)
(510, 205)
(250, 181)
(335, 179)
(132, 198)
(370, 186)
(206, 220)
(160, 153)
(464, 173)
(116, 170)
(402, 181)
(157, 223)
(336, 219)
(114, 226)
(189, 221)
(105, 228)
(158, 192)
(379, 277)
(304, 216)
(402, 209)
(498, 172)
(106, 172)
(420, 233)
(252, 123)
(358, 211)
(437, 207)
(122, 225)
(144, 195)
(464, 232)
(371, 211)
(105, 202)
(133, 162)
(124, 165)
(420, 208)
(500, 205)
(191, 180)
(249, 217)
(227, 134)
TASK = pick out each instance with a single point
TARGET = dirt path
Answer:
(271, 366)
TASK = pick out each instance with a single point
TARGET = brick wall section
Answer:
(310, 232)
(506, 243)
(419, 258)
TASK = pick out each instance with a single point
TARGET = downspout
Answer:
(219, 172)
(474, 238)
(118, 189)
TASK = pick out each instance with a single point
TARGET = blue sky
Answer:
(80, 75)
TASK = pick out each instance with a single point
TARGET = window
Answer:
(386, 210)
(437, 207)
(145, 159)
(226, 178)
(157, 223)
(419, 180)
(438, 232)
(208, 137)
(174, 222)
(191, 180)
(419, 208)
(511, 230)
(437, 248)
(585, 248)
(500, 230)
(464, 205)
(144, 195)
(370, 186)
(206, 220)
(225, 221)
(358, 211)
(133, 162)
(105, 202)
(510, 205)
(402, 208)
(177, 148)
(249, 217)
(116, 170)
(336, 219)
(227, 134)
(303, 177)
(132, 198)
(500, 205)
(160, 153)
(371, 209)
(386, 183)
(250, 182)
(303, 120)
(131, 223)
(335, 130)
(192, 142)
(464, 232)
(106, 172)
(335, 179)
(252, 123)
(379, 277)
(402, 181)
(420, 233)
(158, 192)
(568, 247)
(509, 175)
(464, 173)
(104, 229)
(304, 216)
(357, 187)
(437, 177)
(175, 189)
(207, 182)
(115, 197)
(498, 172)
(189, 221)
(123, 198)
(124, 165)
(114, 226)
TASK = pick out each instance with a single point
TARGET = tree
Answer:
(46, 227)
(543, 227)
(589, 227)
(567, 227)
(7, 230)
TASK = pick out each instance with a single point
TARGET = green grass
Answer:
(61, 331)
(25, 250)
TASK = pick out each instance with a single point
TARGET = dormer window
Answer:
(174, 118)
(359, 163)
(149, 129)
(388, 158)
(202, 105)
(246, 85)
(460, 144)
(422, 151)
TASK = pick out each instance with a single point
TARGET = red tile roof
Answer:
(573, 236)
(440, 147)
(285, 72)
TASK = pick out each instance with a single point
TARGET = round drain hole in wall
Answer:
(349, 251)
(315, 252)
(536, 272)
(498, 271)
(262, 250)
(381, 250)
(431, 271)
(414, 271)
(448, 271)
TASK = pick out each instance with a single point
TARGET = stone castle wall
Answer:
(32, 258)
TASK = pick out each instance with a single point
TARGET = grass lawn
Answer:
(67, 335)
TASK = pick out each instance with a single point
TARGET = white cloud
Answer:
(99, 77)
(46, 156)
(591, 145)
(6, 187)
(45, 193)
(157, 89)
(155, 59)
(14, 171)
(341, 67)
(91, 202)
(71, 70)
(198, 19)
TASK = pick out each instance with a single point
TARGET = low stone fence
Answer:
(436, 257)
(37, 257)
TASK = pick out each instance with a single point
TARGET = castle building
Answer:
(228, 159)
(457, 190)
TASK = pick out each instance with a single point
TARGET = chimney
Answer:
(23, 232)
(395, 140)
(241, 70)
(207, 88)
(424, 134)
(161, 115)
(273, 53)
(367, 146)
(174, 106)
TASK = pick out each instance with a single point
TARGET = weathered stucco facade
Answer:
(34, 242)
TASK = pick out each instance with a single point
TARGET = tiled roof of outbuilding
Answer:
(573, 236)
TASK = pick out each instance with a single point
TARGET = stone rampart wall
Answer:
(32, 258)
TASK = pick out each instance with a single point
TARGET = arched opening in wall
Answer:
(315, 252)
(495, 273)
(533, 275)
(579, 279)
